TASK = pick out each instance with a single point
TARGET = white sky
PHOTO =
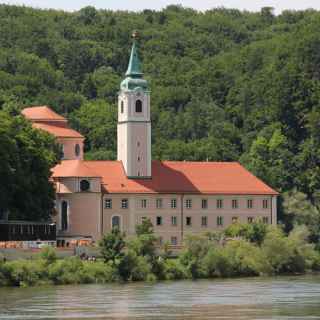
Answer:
(137, 5)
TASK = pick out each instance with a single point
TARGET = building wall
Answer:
(134, 134)
(69, 147)
(84, 208)
(72, 184)
(88, 215)
(139, 149)
(135, 213)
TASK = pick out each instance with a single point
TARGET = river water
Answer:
(252, 298)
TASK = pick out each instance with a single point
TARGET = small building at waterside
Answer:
(178, 197)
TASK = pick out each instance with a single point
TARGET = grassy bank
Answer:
(241, 250)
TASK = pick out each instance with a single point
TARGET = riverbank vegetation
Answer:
(240, 251)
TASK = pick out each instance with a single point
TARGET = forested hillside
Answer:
(226, 85)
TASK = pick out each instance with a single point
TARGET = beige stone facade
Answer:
(173, 215)
(173, 218)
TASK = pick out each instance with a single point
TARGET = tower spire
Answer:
(134, 67)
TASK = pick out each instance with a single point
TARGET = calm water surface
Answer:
(255, 298)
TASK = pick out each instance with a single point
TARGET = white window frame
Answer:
(188, 203)
(108, 200)
(143, 203)
(173, 203)
(124, 200)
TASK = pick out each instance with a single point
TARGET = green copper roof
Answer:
(134, 79)
(134, 67)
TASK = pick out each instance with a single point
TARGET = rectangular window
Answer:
(204, 221)
(219, 221)
(174, 220)
(234, 204)
(143, 203)
(173, 203)
(250, 220)
(188, 221)
(249, 203)
(265, 204)
(143, 219)
(159, 203)
(108, 204)
(159, 221)
(174, 241)
(160, 241)
(204, 204)
(188, 203)
(234, 219)
(265, 220)
(219, 204)
(124, 204)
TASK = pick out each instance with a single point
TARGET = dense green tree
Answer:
(26, 157)
(299, 210)
(112, 245)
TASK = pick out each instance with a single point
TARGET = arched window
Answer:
(84, 185)
(64, 215)
(62, 151)
(139, 106)
(122, 106)
(115, 221)
(77, 150)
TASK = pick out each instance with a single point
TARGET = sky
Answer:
(137, 5)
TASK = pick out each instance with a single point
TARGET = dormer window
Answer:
(138, 106)
(84, 185)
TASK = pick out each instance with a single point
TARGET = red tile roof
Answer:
(74, 168)
(42, 113)
(170, 177)
(57, 131)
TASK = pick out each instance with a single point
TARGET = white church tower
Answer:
(134, 125)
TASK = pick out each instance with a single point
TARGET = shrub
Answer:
(196, 247)
(112, 245)
(174, 270)
(253, 232)
(245, 258)
(97, 272)
(48, 255)
(24, 272)
(4, 274)
(292, 254)
(133, 267)
(276, 250)
(67, 271)
(216, 264)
